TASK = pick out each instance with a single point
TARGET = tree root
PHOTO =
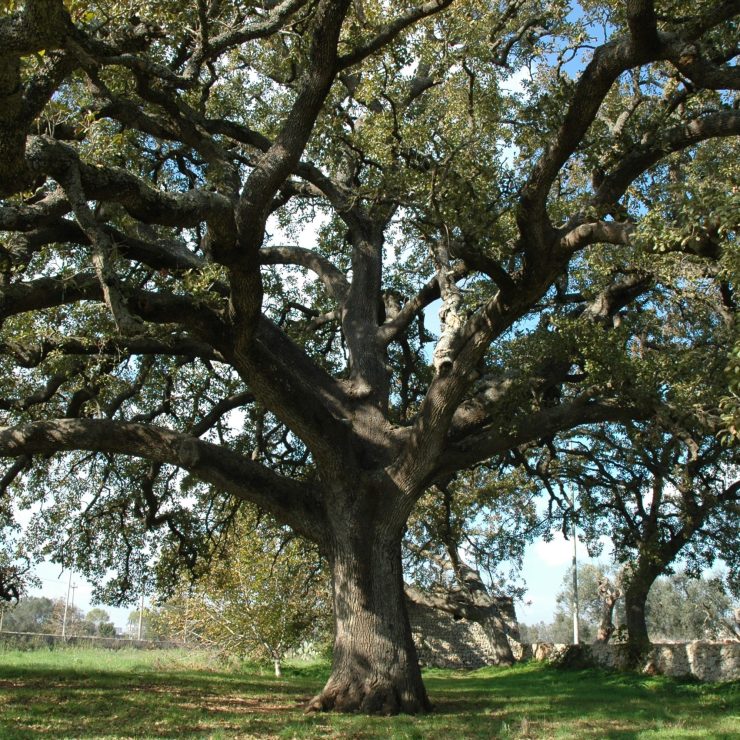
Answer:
(367, 698)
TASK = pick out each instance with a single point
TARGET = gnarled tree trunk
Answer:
(636, 623)
(609, 595)
(375, 668)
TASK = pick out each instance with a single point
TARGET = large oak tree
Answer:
(223, 222)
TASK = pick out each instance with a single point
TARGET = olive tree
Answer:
(225, 222)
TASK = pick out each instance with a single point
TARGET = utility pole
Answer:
(66, 606)
(576, 636)
(141, 610)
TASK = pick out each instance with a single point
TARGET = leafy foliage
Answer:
(679, 608)
(262, 596)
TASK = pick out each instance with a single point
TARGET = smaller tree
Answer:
(679, 607)
(263, 594)
(156, 624)
(610, 594)
(683, 608)
(661, 491)
(594, 584)
(69, 620)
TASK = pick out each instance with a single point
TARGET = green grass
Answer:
(89, 693)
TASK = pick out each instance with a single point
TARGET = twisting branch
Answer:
(40, 25)
(674, 139)
(390, 30)
(214, 464)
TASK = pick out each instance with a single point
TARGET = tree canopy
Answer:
(225, 225)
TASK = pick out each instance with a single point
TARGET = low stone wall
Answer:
(445, 642)
(33, 641)
(704, 661)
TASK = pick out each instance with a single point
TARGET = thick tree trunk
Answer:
(636, 624)
(635, 598)
(375, 669)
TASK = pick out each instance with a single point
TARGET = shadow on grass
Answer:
(548, 702)
(88, 703)
(527, 701)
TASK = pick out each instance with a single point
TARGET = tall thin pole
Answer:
(141, 611)
(576, 636)
(66, 606)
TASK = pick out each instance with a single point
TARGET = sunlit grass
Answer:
(158, 694)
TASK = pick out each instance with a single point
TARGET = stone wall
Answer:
(445, 642)
(33, 640)
(704, 661)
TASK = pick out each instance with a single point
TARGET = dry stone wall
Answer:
(445, 642)
(704, 661)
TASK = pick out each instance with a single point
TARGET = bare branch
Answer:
(332, 278)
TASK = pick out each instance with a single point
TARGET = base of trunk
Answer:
(369, 696)
(375, 669)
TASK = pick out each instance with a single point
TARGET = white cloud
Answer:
(557, 552)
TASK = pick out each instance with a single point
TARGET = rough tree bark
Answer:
(636, 592)
(375, 668)
(178, 235)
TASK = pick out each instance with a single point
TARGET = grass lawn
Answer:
(135, 694)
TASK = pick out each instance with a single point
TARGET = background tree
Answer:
(100, 621)
(590, 606)
(162, 342)
(30, 614)
(46, 616)
(262, 596)
(155, 624)
(679, 608)
(660, 495)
